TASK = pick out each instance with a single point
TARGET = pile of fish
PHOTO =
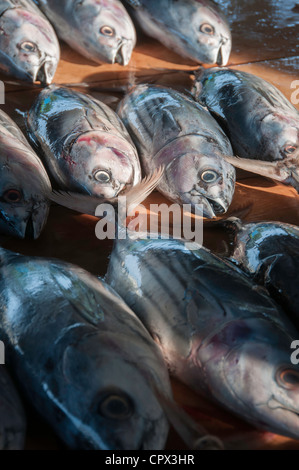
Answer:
(103, 32)
(94, 356)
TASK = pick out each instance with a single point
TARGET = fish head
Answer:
(205, 32)
(279, 137)
(260, 378)
(110, 36)
(114, 411)
(30, 45)
(202, 180)
(24, 184)
(104, 164)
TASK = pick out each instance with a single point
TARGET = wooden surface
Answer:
(265, 42)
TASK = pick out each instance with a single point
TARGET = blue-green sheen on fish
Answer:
(83, 143)
(12, 417)
(24, 184)
(269, 253)
(195, 29)
(170, 129)
(82, 357)
(262, 124)
(29, 48)
(100, 30)
(220, 334)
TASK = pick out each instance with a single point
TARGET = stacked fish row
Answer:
(102, 31)
(68, 334)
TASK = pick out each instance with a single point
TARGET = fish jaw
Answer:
(46, 72)
(123, 54)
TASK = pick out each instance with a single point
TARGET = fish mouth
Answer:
(223, 52)
(46, 72)
(123, 53)
(29, 232)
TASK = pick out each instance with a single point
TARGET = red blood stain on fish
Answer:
(68, 159)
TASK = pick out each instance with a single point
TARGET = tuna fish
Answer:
(195, 29)
(29, 49)
(12, 418)
(84, 145)
(260, 122)
(24, 184)
(100, 30)
(219, 333)
(81, 356)
(170, 129)
(269, 252)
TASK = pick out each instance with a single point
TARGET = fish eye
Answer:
(107, 31)
(102, 176)
(288, 378)
(28, 46)
(207, 28)
(289, 149)
(209, 176)
(12, 195)
(116, 407)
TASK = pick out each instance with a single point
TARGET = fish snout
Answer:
(124, 52)
(36, 221)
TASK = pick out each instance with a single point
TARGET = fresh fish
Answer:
(170, 129)
(260, 122)
(81, 356)
(29, 49)
(195, 29)
(219, 333)
(12, 418)
(100, 30)
(269, 252)
(24, 184)
(84, 145)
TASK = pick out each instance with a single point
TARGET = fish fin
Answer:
(88, 204)
(141, 191)
(271, 170)
(193, 434)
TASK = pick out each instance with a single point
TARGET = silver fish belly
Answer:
(12, 418)
(219, 334)
(29, 48)
(260, 122)
(195, 29)
(100, 30)
(24, 184)
(170, 129)
(81, 356)
(83, 143)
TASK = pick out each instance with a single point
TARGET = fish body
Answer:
(195, 29)
(84, 145)
(170, 129)
(29, 48)
(12, 418)
(269, 252)
(100, 30)
(220, 334)
(260, 122)
(81, 356)
(24, 184)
